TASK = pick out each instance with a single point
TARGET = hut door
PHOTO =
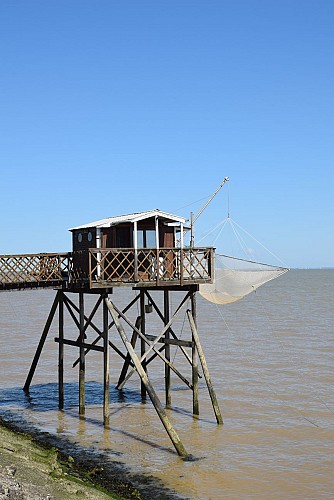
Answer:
(168, 242)
(123, 237)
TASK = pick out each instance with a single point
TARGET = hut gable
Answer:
(131, 218)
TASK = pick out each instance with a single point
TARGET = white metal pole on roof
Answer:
(98, 245)
(181, 235)
(157, 232)
(135, 245)
(135, 236)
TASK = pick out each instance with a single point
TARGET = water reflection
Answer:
(271, 359)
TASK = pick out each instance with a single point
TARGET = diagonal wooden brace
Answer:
(143, 375)
(205, 369)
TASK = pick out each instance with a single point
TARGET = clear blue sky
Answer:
(110, 107)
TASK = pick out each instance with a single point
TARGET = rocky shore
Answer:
(39, 466)
(29, 471)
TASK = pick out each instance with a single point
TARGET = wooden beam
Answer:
(61, 353)
(183, 343)
(188, 358)
(167, 350)
(128, 357)
(194, 359)
(151, 346)
(41, 342)
(205, 369)
(82, 367)
(106, 369)
(100, 335)
(151, 392)
(77, 343)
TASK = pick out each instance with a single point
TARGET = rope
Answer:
(259, 242)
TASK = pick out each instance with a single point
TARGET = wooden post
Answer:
(151, 392)
(81, 356)
(106, 374)
(127, 359)
(205, 369)
(142, 342)
(61, 353)
(167, 351)
(194, 358)
(41, 343)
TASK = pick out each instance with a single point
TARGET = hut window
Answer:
(79, 237)
(146, 238)
(90, 236)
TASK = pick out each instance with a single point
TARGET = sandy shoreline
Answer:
(37, 465)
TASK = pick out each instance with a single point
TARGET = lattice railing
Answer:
(165, 265)
(33, 268)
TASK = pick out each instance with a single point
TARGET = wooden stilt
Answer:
(194, 359)
(81, 356)
(152, 346)
(41, 342)
(188, 358)
(127, 360)
(100, 335)
(151, 392)
(167, 351)
(142, 342)
(61, 353)
(205, 369)
(106, 383)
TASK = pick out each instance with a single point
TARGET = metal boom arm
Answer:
(193, 220)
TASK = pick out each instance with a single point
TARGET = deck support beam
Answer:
(61, 352)
(82, 366)
(167, 351)
(41, 343)
(151, 392)
(150, 347)
(205, 369)
(194, 358)
(106, 368)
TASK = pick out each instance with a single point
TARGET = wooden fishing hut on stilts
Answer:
(145, 251)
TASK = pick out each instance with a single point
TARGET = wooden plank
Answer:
(151, 346)
(171, 330)
(167, 351)
(163, 340)
(194, 359)
(205, 369)
(41, 343)
(61, 353)
(142, 345)
(151, 392)
(127, 360)
(77, 343)
(100, 335)
(82, 367)
(106, 369)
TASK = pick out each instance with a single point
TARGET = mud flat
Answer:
(35, 465)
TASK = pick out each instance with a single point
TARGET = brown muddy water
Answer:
(271, 360)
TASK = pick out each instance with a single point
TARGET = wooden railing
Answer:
(98, 268)
(151, 266)
(43, 269)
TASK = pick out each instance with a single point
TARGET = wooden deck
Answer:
(105, 268)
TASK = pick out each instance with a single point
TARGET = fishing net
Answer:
(235, 278)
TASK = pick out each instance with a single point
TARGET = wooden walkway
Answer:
(33, 270)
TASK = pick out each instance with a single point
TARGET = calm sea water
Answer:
(271, 360)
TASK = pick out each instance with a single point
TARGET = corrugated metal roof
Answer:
(138, 216)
